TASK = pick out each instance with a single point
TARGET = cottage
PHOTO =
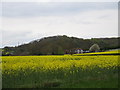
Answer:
(74, 51)
(78, 50)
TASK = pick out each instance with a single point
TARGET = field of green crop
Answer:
(67, 71)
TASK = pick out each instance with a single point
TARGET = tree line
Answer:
(57, 45)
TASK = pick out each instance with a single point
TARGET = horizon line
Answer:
(57, 35)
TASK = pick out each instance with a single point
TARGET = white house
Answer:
(78, 50)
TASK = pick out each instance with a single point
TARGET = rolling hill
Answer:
(58, 44)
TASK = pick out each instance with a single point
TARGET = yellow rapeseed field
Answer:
(17, 63)
(68, 68)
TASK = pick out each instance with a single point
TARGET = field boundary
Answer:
(97, 54)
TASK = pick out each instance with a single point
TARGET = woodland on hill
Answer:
(56, 45)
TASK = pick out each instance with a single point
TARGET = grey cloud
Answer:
(12, 38)
(19, 9)
(14, 34)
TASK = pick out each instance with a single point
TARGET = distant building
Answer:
(74, 51)
(86, 51)
(78, 50)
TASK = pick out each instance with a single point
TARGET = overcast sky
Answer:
(26, 21)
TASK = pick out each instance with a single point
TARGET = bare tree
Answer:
(94, 48)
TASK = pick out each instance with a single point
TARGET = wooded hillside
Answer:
(58, 44)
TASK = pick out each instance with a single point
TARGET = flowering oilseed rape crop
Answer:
(55, 62)
(29, 71)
